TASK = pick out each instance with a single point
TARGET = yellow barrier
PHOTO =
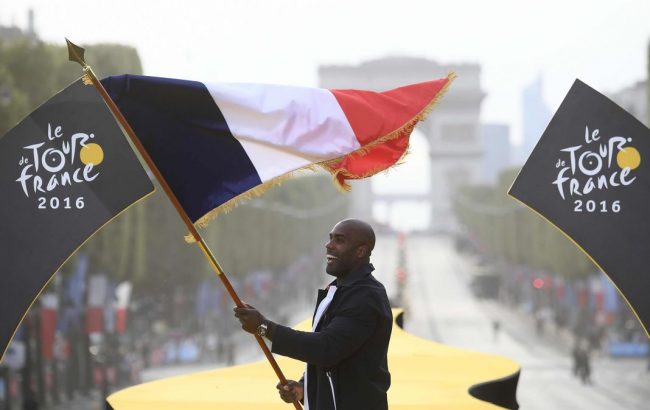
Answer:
(425, 375)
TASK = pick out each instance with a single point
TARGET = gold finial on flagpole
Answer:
(76, 54)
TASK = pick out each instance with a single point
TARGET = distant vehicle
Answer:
(485, 284)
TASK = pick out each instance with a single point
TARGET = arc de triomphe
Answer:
(452, 129)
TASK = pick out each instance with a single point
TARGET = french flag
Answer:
(217, 143)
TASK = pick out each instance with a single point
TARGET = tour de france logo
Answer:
(597, 165)
(45, 168)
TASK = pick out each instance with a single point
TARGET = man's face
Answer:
(343, 250)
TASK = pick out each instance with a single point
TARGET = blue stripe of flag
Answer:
(187, 137)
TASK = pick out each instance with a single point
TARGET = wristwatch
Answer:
(262, 329)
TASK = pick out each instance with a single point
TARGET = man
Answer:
(346, 352)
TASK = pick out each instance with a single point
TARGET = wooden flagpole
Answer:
(76, 54)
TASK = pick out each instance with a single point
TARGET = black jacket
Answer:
(349, 345)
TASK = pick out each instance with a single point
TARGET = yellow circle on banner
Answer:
(92, 154)
(628, 157)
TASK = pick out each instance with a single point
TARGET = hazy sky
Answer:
(603, 42)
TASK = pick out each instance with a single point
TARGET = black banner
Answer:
(65, 171)
(589, 176)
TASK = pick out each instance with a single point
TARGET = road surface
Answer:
(442, 308)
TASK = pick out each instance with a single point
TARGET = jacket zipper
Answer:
(329, 376)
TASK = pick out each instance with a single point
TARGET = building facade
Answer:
(497, 151)
(11, 33)
(535, 117)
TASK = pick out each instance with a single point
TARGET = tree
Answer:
(33, 71)
(515, 234)
(13, 102)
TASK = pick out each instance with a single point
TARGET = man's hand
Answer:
(249, 318)
(291, 391)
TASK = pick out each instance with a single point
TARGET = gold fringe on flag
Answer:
(340, 174)
(259, 190)
(86, 79)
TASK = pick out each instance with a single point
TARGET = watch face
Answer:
(261, 330)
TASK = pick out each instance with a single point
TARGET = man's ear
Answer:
(362, 251)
